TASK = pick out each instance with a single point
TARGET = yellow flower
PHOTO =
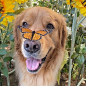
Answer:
(20, 1)
(71, 2)
(6, 20)
(68, 2)
(80, 4)
(5, 7)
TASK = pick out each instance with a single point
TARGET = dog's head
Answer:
(45, 31)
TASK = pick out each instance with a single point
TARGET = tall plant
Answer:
(77, 51)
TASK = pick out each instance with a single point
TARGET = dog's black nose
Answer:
(31, 46)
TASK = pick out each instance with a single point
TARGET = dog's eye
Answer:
(50, 26)
(24, 24)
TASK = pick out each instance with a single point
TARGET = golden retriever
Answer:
(39, 51)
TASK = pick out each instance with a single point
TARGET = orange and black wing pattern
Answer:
(33, 35)
(24, 30)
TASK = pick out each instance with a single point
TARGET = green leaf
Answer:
(74, 55)
(1, 19)
(11, 37)
(1, 65)
(10, 14)
(73, 11)
(8, 33)
(3, 45)
(4, 71)
(19, 11)
(84, 50)
(78, 14)
(77, 49)
(3, 52)
(0, 14)
(81, 59)
(60, 3)
(69, 43)
(1, 79)
(7, 59)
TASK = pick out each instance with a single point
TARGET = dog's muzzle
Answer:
(33, 64)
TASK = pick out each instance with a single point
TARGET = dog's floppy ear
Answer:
(16, 32)
(63, 33)
(62, 30)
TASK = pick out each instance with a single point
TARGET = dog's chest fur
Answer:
(45, 77)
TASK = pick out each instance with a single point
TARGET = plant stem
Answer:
(69, 81)
(8, 80)
(72, 46)
(78, 24)
(82, 72)
(79, 74)
(6, 33)
(80, 82)
(0, 77)
(73, 32)
(30, 3)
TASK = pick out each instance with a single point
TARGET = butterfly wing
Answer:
(27, 36)
(43, 32)
(36, 37)
(24, 30)
(32, 35)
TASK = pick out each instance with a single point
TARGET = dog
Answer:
(40, 37)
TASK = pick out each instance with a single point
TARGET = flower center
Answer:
(1, 7)
(84, 3)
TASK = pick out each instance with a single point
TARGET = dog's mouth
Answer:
(33, 64)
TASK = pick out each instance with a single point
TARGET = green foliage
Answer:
(43, 4)
(6, 39)
(79, 53)
(7, 59)
(1, 80)
(1, 19)
(3, 52)
(11, 38)
(1, 65)
(19, 11)
(84, 50)
(62, 65)
(80, 59)
(4, 70)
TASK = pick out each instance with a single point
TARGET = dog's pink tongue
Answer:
(32, 63)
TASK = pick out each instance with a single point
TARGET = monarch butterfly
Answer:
(33, 35)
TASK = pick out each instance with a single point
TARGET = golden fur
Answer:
(38, 18)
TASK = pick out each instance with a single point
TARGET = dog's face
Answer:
(36, 51)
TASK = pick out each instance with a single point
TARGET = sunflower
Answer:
(6, 6)
(20, 1)
(68, 2)
(80, 4)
